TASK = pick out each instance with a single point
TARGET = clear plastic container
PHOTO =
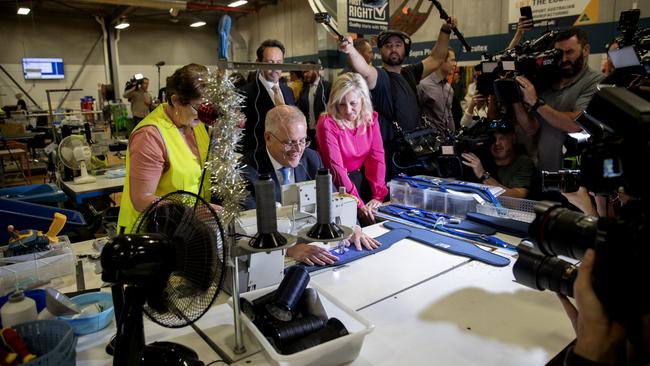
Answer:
(455, 204)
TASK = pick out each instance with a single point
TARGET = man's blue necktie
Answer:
(285, 175)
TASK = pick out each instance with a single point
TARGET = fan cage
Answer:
(191, 289)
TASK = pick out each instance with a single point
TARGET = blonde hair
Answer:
(348, 82)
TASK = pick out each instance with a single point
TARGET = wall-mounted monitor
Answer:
(43, 68)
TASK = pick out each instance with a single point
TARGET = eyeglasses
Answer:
(196, 107)
(289, 145)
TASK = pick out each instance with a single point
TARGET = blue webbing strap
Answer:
(451, 245)
(430, 220)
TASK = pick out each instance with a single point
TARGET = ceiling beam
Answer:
(153, 4)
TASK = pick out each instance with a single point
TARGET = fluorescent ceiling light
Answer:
(197, 24)
(237, 3)
(122, 25)
(23, 11)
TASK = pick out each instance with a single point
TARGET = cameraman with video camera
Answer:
(550, 113)
(141, 101)
(513, 171)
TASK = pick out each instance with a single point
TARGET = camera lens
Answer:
(560, 231)
(544, 272)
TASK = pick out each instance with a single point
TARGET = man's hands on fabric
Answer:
(311, 254)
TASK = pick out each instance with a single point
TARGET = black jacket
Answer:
(257, 103)
(321, 98)
(260, 163)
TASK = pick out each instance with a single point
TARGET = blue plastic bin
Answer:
(25, 215)
(35, 193)
(91, 323)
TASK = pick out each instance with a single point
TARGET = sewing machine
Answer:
(298, 210)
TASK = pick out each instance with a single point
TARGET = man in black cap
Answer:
(393, 87)
(513, 171)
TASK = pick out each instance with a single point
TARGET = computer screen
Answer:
(43, 68)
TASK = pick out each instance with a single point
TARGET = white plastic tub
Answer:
(335, 352)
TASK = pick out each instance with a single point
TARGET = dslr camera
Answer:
(619, 124)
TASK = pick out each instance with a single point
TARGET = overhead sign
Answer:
(556, 13)
(364, 19)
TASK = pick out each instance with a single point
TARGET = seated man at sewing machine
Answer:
(287, 159)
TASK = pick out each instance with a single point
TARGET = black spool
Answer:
(284, 333)
(268, 236)
(289, 293)
(332, 330)
(325, 228)
(310, 304)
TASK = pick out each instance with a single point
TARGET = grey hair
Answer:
(282, 113)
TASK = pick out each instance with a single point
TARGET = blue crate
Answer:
(24, 215)
(35, 193)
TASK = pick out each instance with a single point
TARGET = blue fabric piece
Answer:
(224, 32)
(451, 245)
(353, 254)
(508, 226)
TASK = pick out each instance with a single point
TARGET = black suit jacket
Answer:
(260, 163)
(256, 104)
(321, 97)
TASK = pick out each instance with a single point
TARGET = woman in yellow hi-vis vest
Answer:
(168, 148)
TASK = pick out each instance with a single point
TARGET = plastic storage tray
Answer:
(335, 352)
(37, 193)
(24, 215)
(40, 266)
(455, 204)
(513, 208)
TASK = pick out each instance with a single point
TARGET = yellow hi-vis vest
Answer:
(184, 171)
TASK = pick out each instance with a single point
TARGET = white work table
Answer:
(428, 307)
(102, 186)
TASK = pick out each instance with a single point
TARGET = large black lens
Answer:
(560, 231)
(543, 272)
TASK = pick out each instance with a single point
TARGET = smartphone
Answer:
(526, 12)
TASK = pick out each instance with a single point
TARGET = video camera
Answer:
(619, 124)
(632, 58)
(136, 81)
(537, 60)
(476, 139)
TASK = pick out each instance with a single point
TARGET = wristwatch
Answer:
(485, 176)
(540, 102)
(445, 30)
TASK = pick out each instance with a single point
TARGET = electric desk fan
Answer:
(172, 269)
(75, 153)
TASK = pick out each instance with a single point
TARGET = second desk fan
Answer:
(75, 153)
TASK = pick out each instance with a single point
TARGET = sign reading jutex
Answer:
(365, 19)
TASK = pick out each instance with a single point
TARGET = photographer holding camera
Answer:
(551, 112)
(514, 171)
(141, 101)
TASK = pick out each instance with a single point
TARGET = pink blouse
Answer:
(346, 150)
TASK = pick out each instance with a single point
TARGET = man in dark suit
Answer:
(263, 93)
(313, 99)
(287, 159)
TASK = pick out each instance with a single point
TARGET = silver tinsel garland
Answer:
(226, 180)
